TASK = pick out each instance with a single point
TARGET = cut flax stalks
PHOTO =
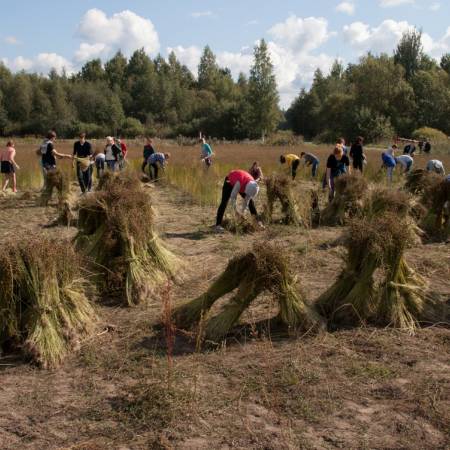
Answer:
(43, 307)
(436, 221)
(419, 181)
(239, 225)
(116, 231)
(279, 187)
(55, 179)
(401, 300)
(264, 268)
(347, 203)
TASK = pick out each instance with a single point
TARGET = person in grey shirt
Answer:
(310, 160)
(434, 165)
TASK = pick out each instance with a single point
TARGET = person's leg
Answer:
(331, 194)
(315, 166)
(14, 181)
(80, 177)
(295, 165)
(155, 168)
(226, 194)
(389, 174)
(144, 165)
(88, 179)
(5, 181)
(252, 208)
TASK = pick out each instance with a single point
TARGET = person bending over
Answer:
(237, 182)
(337, 164)
(156, 161)
(310, 160)
(148, 150)
(436, 166)
(292, 161)
(406, 161)
(389, 162)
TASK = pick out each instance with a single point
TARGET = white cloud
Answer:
(199, 14)
(393, 3)
(42, 63)
(436, 6)
(125, 31)
(11, 40)
(346, 8)
(301, 34)
(189, 56)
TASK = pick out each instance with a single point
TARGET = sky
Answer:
(302, 35)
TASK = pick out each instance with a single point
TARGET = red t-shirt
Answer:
(242, 176)
(124, 149)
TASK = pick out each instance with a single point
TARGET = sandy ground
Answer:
(354, 389)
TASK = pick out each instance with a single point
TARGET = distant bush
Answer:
(432, 134)
(132, 128)
(284, 138)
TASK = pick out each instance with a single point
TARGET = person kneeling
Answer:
(237, 182)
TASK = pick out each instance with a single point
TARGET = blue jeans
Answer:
(111, 165)
(84, 178)
(314, 168)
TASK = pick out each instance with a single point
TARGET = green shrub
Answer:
(284, 138)
(132, 128)
(432, 134)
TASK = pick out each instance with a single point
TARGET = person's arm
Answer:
(328, 177)
(61, 155)
(234, 194)
(13, 156)
(74, 149)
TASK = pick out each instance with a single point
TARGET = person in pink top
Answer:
(237, 182)
(9, 165)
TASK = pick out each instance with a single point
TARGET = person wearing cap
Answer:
(237, 182)
(436, 166)
(292, 161)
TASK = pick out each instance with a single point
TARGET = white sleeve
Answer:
(234, 193)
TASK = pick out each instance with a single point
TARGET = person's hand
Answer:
(260, 225)
(17, 167)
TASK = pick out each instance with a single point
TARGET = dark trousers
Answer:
(144, 165)
(226, 194)
(153, 171)
(84, 178)
(294, 168)
(100, 165)
(358, 164)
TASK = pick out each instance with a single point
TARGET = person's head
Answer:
(282, 159)
(167, 155)
(341, 141)
(51, 135)
(109, 140)
(82, 137)
(338, 152)
(255, 165)
(203, 140)
(149, 140)
(10, 143)
(394, 147)
(302, 154)
(359, 140)
(251, 190)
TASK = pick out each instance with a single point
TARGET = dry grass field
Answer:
(133, 385)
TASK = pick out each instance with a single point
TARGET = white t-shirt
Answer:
(109, 155)
(434, 165)
(404, 160)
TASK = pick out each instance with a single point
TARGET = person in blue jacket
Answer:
(388, 158)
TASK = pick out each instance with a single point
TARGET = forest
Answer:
(378, 97)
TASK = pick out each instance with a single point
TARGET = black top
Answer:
(356, 152)
(427, 147)
(338, 167)
(82, 150)
(48, 158)
(148, 150)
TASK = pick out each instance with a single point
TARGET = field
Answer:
(134, 386)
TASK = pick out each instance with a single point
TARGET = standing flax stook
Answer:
(82, 152)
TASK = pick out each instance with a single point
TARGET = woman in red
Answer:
(237, 182)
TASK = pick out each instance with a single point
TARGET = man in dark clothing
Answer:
(148, 150)
(357, 154)
(82, 152)
(427, 146)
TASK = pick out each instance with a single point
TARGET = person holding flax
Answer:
(237, 182)
(337, 164)
(292, 162)
(82, 153)
(155, 160)
(9, 166)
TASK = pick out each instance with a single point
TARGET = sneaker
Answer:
(219, 229)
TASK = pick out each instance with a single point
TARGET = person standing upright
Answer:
(112, 152)
(148, 150)
(357, 154)
(82, 152)
(9, 166)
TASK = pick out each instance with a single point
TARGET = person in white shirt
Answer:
(405, 161)
(436, 166)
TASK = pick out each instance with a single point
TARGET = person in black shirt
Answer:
(427, 146)
(337, 164)
(148, 150)
(357, 154)
(82, 152)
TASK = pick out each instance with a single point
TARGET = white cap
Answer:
(251, 190)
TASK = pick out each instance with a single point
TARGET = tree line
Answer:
(377, 97)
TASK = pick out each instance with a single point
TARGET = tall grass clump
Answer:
(116, 232)
(263, 269)
(44, 310)
(350, 191)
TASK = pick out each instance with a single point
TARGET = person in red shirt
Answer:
(123, 147)
(237, 182)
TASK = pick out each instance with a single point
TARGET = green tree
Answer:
(115, 70)
(409, 52)
(208, 70)
(262, 94)
(445, 63)
(92, 71)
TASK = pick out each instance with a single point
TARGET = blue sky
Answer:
(302, 35)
